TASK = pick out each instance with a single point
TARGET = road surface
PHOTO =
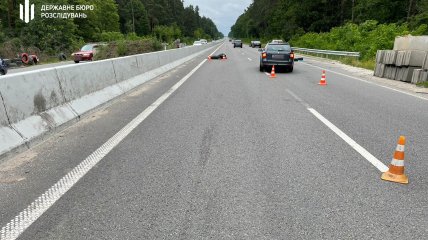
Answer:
(230, 154)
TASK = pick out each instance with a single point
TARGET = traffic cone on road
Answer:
(272, 72)
(323, 81)
(223, 58)
(396, 168)
(209, 58)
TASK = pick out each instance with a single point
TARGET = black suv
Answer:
(237, 43)
(278, 54)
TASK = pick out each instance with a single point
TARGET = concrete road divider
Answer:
(126, 68)
(34, 103)
(148, 61)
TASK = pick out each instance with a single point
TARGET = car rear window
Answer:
(238, 41)
(87, 48)
(284, 47)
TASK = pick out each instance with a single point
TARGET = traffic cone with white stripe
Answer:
(323, 81)
(272, 72)
(209, 58)
(396, 168)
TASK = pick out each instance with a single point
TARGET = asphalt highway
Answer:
(230, 153)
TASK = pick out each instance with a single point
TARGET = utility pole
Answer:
(353, 3)
(410, 9)
(133, 18)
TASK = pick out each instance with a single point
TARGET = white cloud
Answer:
(223, 12)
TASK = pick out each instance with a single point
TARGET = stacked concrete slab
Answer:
(407, 62)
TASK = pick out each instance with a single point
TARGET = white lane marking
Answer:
(267, 73)
(372, 159)
(250, 59)
(29, 215)
(362, 151)
(376, 84)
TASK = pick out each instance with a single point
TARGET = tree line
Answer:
(289, 18)
(165, 20)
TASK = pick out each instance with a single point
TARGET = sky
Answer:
(223, 12)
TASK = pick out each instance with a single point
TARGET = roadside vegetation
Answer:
(144, 23)
(363, 26)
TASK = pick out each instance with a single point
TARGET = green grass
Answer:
(367, 64)
(51, 60)
(423, 84)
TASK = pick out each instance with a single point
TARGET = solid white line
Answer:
(376, 84)
(372, 159)
(29, 215)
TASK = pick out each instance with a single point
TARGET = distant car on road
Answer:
(237, 43)
(197, 43)
(86, 53)
(278, 54)
(256, 43)
(203, 41)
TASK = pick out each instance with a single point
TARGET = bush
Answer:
(366, 38)
(111, 36)
(127, 47)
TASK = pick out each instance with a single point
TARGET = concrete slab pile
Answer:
(406, 62)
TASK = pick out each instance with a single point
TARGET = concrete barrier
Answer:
(36, 102)
(148, 61)
(379, 56)
(411, 43)
(416, 76)
(126, 68)
(425, 62)
(379, 70)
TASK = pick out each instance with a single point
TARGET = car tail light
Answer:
(264, 55)
(292, 55)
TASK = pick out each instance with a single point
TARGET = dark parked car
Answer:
(254, 44)
(237, 43)
(278, 54)
(86, 53)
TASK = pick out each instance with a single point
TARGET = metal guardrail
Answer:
(327, 52)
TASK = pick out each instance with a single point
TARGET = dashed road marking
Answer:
(249, 59)
(362, 151)
(29, 215)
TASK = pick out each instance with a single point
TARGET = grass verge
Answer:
(422, 84)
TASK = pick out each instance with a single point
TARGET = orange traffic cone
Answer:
(209, 58)
(323, 81)
(223, 58)
(396, 168)
(272, 72)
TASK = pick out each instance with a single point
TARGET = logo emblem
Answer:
(24, 11)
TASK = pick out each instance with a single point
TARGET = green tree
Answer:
(104, 18)
(133, 17)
